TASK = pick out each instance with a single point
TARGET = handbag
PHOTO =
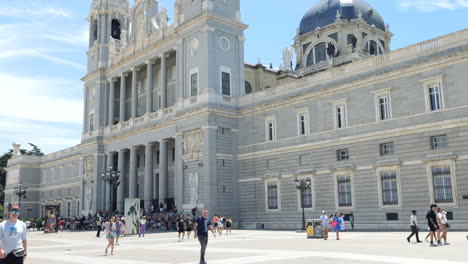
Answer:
(447, 225)
(19, 253)
(334, 223)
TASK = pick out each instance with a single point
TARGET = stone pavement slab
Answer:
(272, 247)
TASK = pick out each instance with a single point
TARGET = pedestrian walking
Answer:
(111, 233)
(351, 221)
(443, 224)
(13, 235)
(414, 227)
(188, 226)
(99, 226)
(434, 230)
(228, 225)
(201, 232)
(324, 224)
(118, 228)
(181, 226)
(337, 224)
(142, 226)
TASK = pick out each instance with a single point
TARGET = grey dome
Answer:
(324, 14)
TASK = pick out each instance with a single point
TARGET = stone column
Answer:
(149, 87)
(111, 102)
(209, 178)
(180, 67)
(121, 188)
(163, 81)
(85, 115)
(98, 195)
(148, 182)
(179, 172)
(80, 172)
(163, 173)
(135, 92)
(133, 175)
(108, 186)
(122, 97)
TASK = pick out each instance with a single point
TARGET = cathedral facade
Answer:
(177, 118)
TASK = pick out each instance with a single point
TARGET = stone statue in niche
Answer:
(193, 145)
(16, 149)
(89, 167)
(88, 197)
(287, 59)
(193, 181)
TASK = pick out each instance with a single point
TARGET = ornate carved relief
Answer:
(193, 181)
(193, 145)
(13, 177)
(88, 167)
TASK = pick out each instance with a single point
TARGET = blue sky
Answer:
(43, 45)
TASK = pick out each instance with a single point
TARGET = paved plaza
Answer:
(245, 247)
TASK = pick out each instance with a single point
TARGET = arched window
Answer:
(320, 52)
(95, 30)
(310, 58)
(248, 88)
(372, 48)
(352, 40)
(115, 32)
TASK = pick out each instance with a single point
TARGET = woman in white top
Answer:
(443, 224)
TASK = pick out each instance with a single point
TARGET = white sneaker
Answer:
(433, 245)
(446, 243)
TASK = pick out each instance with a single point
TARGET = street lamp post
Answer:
(111, 176)
(20, 191)
(29, 209)
(302, 185)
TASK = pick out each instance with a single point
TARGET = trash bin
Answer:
(314, 229)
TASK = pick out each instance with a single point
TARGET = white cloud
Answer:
(39, 98)
(33, 13)
(432, 5)
(37, 53)
(49, 137)
(77, 39)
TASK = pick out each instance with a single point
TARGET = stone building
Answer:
(188, 123)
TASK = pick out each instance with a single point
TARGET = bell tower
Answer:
(107, 19)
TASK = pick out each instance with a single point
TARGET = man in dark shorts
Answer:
(188, 226)
(181, 227)
(202, 223)
(433, 226)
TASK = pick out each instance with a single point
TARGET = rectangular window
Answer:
(69, 209)
(344, 191)
(389, 187)
(226, 83)
(384, 107)
(194, 84)
(442, 185)
(340, 118)
(91, 122)
(306, 198)
(272, 196)
(270, 129)
(435, 98)
(387, 149)
(439, 142)
(342, 154)
(392, 216)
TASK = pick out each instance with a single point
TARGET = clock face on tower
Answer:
(224, 43)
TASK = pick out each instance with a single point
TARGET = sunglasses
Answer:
(15, 212)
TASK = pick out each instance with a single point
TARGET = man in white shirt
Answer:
(324, 223)
(13, 235)
(414, 227)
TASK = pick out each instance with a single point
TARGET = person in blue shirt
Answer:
(202, 223)
(337, 223)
